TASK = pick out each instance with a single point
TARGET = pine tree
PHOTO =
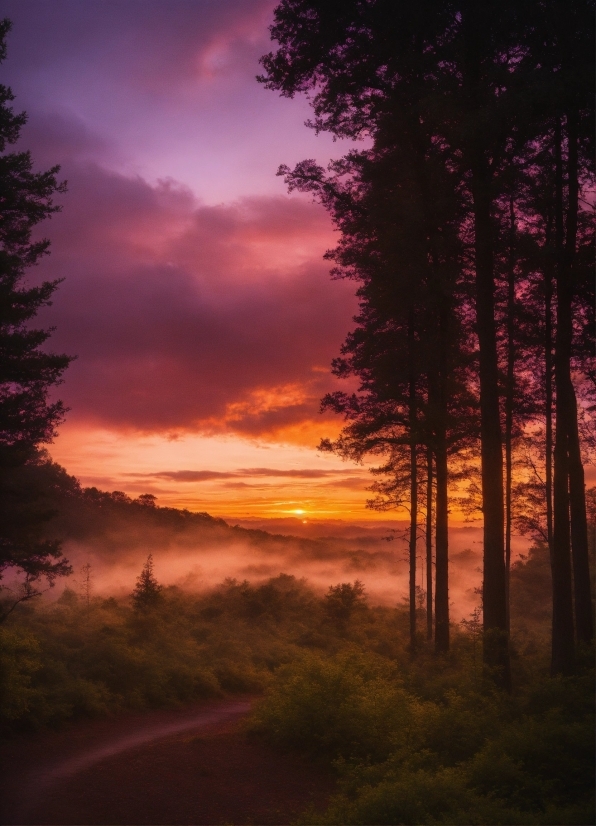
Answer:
(406, 70)
(492, 84)
(27, 372)
(147, 593)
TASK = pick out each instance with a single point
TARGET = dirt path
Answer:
(191, 766)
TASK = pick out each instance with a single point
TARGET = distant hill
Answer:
(116, 533)
(196, 551)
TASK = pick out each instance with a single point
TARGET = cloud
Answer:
(191, 475)
(351, 483)
(209, 475)
(170, 84)
(187, 317)
(305, 473)
(60, 137)
(203, 45)
(152, 45)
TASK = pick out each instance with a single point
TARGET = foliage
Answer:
(80, 657)
(27, 370)
(20, 661)
(342, 600)
(147, 592)
(531, 601)
(413, 741)
(348, 706)
(459, 755)
(26, 509)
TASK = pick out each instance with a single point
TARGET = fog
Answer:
(202, 556)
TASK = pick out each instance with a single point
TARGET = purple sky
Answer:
(195, 295)
(160, 89)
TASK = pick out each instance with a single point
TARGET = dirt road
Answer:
(190, 766)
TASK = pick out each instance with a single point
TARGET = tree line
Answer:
(466, 225)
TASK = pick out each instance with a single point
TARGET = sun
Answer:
(298, 511)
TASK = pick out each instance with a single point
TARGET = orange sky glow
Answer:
(224, 475)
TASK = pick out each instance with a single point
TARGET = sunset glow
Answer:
(196, 297)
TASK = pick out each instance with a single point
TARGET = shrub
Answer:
(19, 661)
(350, 705)
(464, 757)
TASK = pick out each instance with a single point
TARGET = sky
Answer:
(195, 294)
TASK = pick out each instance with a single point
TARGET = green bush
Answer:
(538, 762)
(349, 705)
(419, 797)
(466, 756)
(80, 657)
(19, 661)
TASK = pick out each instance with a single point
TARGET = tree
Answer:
(27, 372)
(489, 85)
(559, 165)
(407, 350)
(399, 219)
(147, 593)
(147, 500)
(86, 583)
(365, 62)
(573, 111)
(343, 601)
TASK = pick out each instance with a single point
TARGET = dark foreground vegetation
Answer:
(431, 746)
(413, 741)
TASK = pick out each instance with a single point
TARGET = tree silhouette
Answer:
(343, 601)
(398, 209)
(147, 592)
(27, 372)
(486, 88)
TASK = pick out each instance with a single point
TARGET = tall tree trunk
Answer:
(563, 651)
(495, 633)
(441, 298)
(442, 505)
(577, 492)
(441, 548)
(584, 623)
(429, 543)
(413, 426)
(412, 544)
(496, 642)
(509, 397)
(548, 400)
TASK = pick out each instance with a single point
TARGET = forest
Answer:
(464, 217)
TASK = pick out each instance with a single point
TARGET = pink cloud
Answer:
(223, 40)
(187, 317)
(192, 476)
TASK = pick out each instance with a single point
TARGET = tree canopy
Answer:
(464, 228)
(28, 419)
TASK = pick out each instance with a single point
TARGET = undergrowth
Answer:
(413, 741)
(76, 658)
